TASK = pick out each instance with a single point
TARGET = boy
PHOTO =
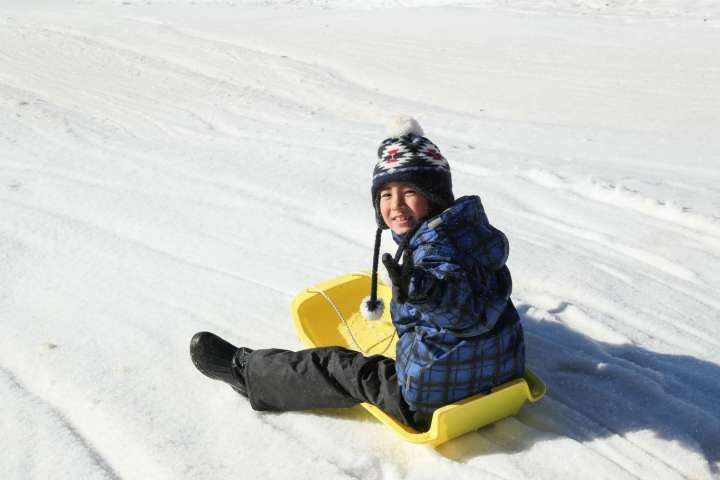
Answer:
(458, 332)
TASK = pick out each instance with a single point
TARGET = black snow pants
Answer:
(326, 377)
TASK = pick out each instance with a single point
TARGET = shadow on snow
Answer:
(597, 390)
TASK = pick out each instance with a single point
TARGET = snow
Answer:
(175, 166)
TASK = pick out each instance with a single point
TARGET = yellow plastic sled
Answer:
(327, 314)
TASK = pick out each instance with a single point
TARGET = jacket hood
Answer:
(465, 216)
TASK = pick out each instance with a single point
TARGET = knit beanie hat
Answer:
(405, 156)
(408, 156)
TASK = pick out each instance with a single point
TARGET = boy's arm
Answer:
(440, 288)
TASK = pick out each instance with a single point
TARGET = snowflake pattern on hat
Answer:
(433, 155)
(393, 155)
(409, 151)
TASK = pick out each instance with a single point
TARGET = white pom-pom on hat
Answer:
(404, 125)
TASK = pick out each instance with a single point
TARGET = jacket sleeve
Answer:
(441, 289)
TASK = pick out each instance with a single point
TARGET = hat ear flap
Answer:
(376, 205)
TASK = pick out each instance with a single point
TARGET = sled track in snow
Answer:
(94, 229)
(346, 473)
(82, 440)
(626, 199)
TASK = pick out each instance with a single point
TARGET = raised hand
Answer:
(399, 275)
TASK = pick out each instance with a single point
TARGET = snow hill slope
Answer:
(174, 166)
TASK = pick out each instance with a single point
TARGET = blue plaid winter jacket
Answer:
(465, 337)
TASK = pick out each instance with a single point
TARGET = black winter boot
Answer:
(220, 360)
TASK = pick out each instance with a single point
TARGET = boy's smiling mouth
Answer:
(402, 219)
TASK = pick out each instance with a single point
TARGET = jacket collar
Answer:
(465, 209)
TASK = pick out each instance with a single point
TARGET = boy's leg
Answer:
(325, 377)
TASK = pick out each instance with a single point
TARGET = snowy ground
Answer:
(174, 166)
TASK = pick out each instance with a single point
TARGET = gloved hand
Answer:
(399, 275)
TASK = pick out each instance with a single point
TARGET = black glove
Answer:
(399, 275)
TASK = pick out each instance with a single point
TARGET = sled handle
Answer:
(347, 325)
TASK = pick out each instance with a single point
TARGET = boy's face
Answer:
(402, 206)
